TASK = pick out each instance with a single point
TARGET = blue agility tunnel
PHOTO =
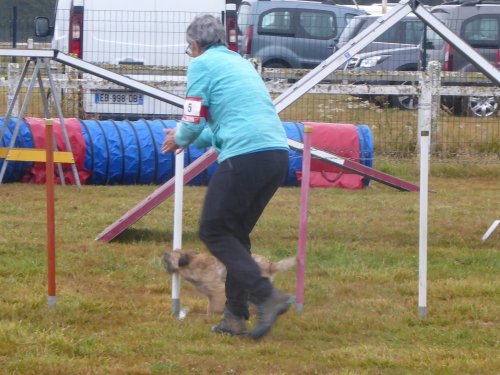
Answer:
(129, 152)
(15, 170)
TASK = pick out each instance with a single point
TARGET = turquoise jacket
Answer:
(241, 115)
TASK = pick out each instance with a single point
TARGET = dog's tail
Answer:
(283, 265)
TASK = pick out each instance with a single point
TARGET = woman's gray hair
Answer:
(207, 30)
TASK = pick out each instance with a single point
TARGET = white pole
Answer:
(422, 253)
(491, 229)
(304, 208)
(177, 241)
(424, 133)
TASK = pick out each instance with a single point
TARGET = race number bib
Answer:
(194, 110)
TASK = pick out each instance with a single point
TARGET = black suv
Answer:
(478, 24)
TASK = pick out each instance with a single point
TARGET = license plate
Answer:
(118, 97)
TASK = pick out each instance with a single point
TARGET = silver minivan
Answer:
(395, 50)
(291, 34)
(478, 24)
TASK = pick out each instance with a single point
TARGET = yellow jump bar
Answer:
(36, 155)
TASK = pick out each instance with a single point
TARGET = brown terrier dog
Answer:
(208, 275)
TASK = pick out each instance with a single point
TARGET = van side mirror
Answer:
(42, 27)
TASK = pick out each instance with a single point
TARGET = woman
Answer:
(225, 93)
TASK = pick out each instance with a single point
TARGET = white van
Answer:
(142, 38)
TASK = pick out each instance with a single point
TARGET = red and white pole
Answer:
(51, 228)
(304, 208)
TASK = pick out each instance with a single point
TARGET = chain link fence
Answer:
(378, 87)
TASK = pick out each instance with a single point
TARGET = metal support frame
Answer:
(40, 59)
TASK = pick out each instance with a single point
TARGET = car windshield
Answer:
(353, 28)
(408, 31)
(432, 39)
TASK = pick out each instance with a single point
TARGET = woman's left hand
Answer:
(169, 141)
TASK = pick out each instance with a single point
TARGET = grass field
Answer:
(360, 312)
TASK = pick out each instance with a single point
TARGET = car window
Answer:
(276, 22)
(393, 35)
(433, 40)
(348, 17)
(413, 32)
(317, 24)
(481, 31)
(353, 28)
(407, 32)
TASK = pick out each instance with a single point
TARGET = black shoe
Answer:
(231, 324)
(268, 311)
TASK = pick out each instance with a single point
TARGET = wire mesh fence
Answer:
(378, 87)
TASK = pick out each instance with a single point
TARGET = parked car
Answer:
(395, 50)
(477, 23)
(407, 32)
(291, 34)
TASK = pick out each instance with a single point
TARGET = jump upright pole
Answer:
(51, 229)
(177, 240)
(304, 208)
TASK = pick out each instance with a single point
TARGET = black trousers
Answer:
(237, 194)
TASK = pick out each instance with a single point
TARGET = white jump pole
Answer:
(177, 241)
(304, 208)
(424, 127)
(491, 229)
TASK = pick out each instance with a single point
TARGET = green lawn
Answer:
(360, 311)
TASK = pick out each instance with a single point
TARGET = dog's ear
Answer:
(184, 260)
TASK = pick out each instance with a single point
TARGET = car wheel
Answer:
(276, 64)
(482, 106)
(406, 102)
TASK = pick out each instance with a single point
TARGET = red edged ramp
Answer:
(157, 197)
(209, 157)
(352, 166)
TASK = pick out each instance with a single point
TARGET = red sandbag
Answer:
(341, 140)
(37, 173)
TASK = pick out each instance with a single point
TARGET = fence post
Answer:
(434, 69)
(13, 77)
